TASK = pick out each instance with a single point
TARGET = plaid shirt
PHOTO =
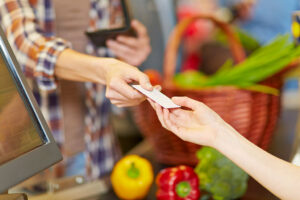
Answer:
(28, 25)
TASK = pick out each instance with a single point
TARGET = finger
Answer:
(145, 82)
(174, 119)
(180, 121)
(174, 129)
(126, 102)
(178, 111)
(134, 42)
(186, 102)
(151, 103)
(159, 113)
(165, 116)
(123, 105)
(120, 49)
(142, 79)
(113, 95)
(157, 87)
(141, 46)
(139, 28)
(129, 55)
(130, 41)
(116, 102)
(123, 89)
(171, 126)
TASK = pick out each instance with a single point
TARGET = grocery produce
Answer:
(261, 64)
(220, 176)
(248, 42)
(177, 183)
(190, 79)
(132, 177)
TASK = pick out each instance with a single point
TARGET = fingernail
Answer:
(159, 88)
(149, 86)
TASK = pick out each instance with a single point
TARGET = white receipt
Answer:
(158, 97)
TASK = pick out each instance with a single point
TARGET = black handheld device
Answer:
(99, 37)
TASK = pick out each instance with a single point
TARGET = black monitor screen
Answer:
(18, 133)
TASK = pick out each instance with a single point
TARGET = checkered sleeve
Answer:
(35, 48)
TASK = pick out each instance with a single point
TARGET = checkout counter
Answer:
(281, 146)
(101, 189)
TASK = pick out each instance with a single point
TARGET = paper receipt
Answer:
(158, 97)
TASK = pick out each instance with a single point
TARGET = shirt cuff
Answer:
(46, 61)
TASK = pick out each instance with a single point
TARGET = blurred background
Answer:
(204, 49)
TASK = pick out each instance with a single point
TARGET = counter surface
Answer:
(281, 146)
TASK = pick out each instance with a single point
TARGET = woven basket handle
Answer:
(236, 48)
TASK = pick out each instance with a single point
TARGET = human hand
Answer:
(115, 74)
(118, 77)
(133, 50)
(200, 125)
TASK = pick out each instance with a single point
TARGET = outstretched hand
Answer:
(199, 125)
(119, 75)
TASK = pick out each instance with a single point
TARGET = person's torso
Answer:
(71, 21)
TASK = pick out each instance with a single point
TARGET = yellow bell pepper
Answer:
(132, 177)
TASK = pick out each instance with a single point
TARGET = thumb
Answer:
(157, 87)
(186, 102)
(144, 81)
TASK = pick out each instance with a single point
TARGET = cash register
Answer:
(26, 144)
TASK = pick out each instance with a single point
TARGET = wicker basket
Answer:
(252, 114)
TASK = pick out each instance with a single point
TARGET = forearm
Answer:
(278, 176)
(75, 66)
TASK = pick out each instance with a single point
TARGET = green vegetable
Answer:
(220, 176)
(190, 79)
(260, 65)
(249, 43)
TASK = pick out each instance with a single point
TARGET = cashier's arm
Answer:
(115, 74)
(203, 126)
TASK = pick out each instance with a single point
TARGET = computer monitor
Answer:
(26, 144)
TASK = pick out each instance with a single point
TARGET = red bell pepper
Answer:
(178, 183)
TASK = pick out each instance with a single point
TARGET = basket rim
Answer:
(213, 89)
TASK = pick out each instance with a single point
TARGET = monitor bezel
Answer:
(40, 158)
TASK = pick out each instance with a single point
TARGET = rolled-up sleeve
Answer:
(36, 51)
